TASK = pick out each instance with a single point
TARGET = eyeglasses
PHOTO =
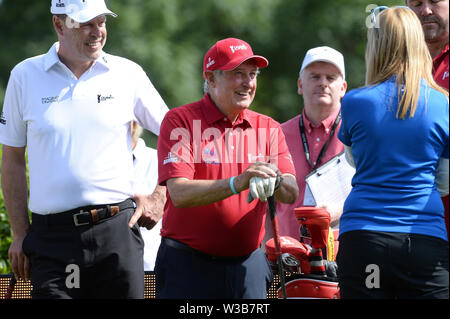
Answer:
(374, 14)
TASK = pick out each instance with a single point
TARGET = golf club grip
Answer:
(272, 207)
(10, 289)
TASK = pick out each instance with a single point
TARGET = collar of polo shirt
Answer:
(52, 58)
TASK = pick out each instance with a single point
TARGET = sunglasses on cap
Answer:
(374, 14)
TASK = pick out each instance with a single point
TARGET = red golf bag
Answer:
(311, 275)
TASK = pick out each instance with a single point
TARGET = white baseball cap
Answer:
(81, 10)
(324, 54)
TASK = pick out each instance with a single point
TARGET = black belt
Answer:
(87, 215)
(181, 246)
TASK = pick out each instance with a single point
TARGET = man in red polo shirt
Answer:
(434, 17)
(210, 152)
(311, 136)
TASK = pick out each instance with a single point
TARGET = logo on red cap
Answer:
(210, 62)
(237, 47)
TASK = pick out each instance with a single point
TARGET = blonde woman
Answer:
(393, 241)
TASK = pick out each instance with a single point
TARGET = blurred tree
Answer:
(170, 37)
(25, 30)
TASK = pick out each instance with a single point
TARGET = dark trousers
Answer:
(386, 265)
(104, 260)
(182, 274)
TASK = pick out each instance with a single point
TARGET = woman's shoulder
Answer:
(370, 93)
(363, 94)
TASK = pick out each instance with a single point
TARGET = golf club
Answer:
(276, 237)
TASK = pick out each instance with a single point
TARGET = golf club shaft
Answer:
(276, 238)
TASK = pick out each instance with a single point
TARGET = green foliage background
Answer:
(170, 37)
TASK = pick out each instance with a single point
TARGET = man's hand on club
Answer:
(261, 188)
(261, 179)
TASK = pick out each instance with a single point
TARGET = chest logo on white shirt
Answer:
(49, 99)
(102, 98)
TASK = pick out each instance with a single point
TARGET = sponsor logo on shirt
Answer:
(101, 98)
(50, 99)
(171, 158)
(257, 158)
(2, 119)
(446, 75)
(210, 156)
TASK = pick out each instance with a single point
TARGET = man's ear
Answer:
(58, 24)
(299, 86)
(211, 78)
(343, 89)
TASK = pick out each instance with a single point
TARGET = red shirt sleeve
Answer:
(175, 154)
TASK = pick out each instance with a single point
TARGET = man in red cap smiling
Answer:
(220, 162)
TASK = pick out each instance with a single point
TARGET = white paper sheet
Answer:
(330, 183)
(308, 199)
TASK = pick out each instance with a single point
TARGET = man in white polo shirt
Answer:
(72, 110)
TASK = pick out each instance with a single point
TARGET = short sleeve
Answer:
(13, 128)
(150, 108)
(343, 133)
(175, 150)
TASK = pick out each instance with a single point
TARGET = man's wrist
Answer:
(232, 187)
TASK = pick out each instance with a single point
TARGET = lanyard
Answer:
(324, 148)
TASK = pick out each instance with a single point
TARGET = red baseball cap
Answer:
(229, 53)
